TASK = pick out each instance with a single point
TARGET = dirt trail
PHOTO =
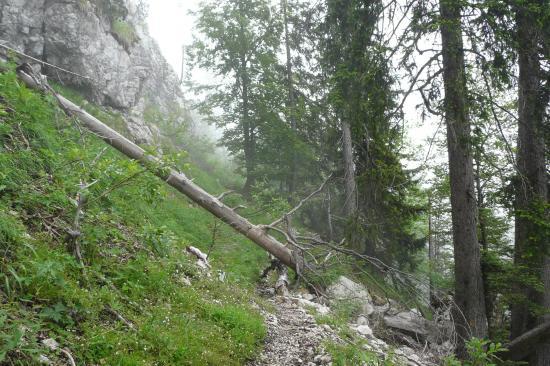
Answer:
(293, 337)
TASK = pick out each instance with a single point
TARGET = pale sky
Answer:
(172, 27)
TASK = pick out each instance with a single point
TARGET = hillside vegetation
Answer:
(137, 298)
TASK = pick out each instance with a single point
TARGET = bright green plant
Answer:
(480, 353)
(133, 234)
(124, 33)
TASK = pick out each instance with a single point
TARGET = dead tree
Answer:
(178, 180)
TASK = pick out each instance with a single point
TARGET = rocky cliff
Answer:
(104, 40)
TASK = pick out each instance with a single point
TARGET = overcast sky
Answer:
(172, 26)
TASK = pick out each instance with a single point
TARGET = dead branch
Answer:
(202, 258)
(224, 194)
(300, 204)
(113, 312)
(9, 49)
(74, 231)
(281, 286)
(172, 177)
(68, 355)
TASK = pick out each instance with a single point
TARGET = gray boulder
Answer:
(408, 322)
(123, 64)
(348, 290)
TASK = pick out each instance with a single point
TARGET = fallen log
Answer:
(172, 177)
(520, 347)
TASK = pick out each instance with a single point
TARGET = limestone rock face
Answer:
(105, 40)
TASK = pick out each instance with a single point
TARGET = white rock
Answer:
(51, 344)
(368, 308)
(319, 308)
(44, 360)
(364, 330)
(362, 320)
(346, 289)
(408, 322)
(186, 281)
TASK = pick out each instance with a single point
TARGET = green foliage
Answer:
(270, 200)
(133, 235)
(17, 337)
(124, 32)
(353, 354)
(240, 41)
(360, 93)
(480, 353)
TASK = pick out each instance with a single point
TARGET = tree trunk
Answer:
(470, 317)
(485, 267)
(524, 345)
(290, 104)
(249, 147)
(532, 190)
(248, 133)
(431, 254)
(175, 179)
(350, 189)
(350, 203)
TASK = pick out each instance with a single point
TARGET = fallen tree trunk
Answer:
(519, 348)
(175, 179)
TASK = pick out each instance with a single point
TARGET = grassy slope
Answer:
(133, 237)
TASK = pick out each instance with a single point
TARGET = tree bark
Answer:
(532, 189)
(470, 317)
(350, 189)
(350, 203)
(175, 179)
(485, 268)
(291, 104)
(248, 133)
(524, 345)
(249, 147)
(431, 254)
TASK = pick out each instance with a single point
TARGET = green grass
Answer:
(353, 354)
(124, 33)
(133, 236)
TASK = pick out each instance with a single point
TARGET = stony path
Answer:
(293, 337)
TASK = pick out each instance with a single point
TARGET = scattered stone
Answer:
(378, 300)
(362, 320)
(294, 338)
(320, 309)
(51, 344)
(326, 327)
(364, 330)
(184, 280)
(346, 289)
(44, 360)
(408, 322)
